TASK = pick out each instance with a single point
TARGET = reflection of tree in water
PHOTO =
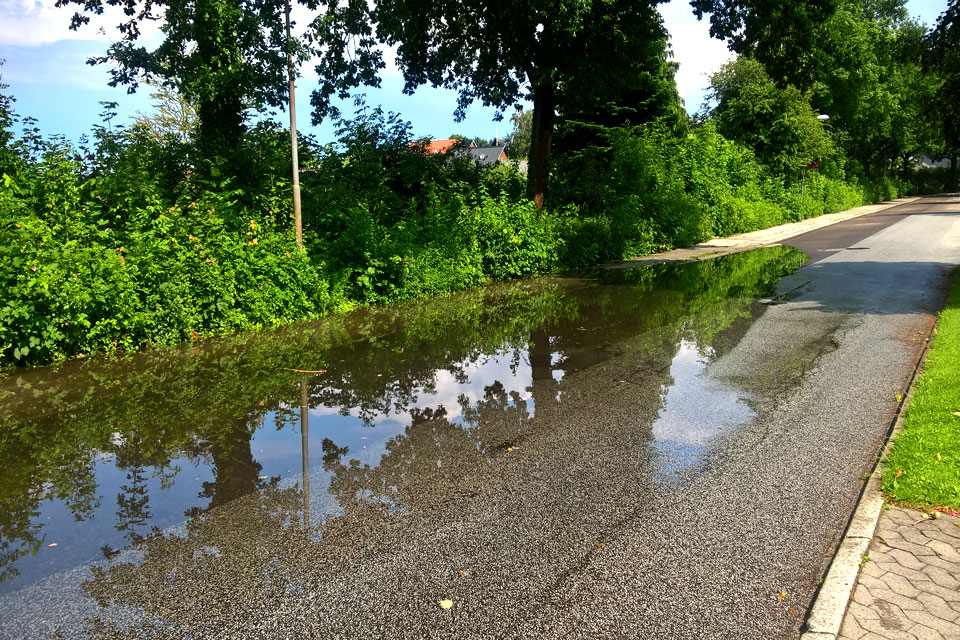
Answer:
(374, 365)
(26, 482)
(235, 471)
(133, 510)
(229, 563)
(543, 386)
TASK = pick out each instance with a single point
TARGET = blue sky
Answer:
(45, 68)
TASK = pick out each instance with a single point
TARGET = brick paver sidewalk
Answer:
(910, 586)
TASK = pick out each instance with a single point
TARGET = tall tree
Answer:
(521, 134)
(500, 52)
(782, 35)
(856, 60)
(870, 80)
(945, 60)
(777, 123)
(223, 55)
(172, 116)
(8, 156)
(226, 56)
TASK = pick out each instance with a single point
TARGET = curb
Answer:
(716, 247)
(825, 616)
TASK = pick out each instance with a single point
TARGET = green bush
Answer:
(135, 241)
(89, 266)
(930, 180)
(514, 238)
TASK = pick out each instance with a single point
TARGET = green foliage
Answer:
(778, 124)
(944, 60)
(930, 180)
(522, 134)
(173, 116)
(783, 36)
(872, 83)
(124, 243)
(923, 469)
(99, 260)
(575, 53)
(514, 239)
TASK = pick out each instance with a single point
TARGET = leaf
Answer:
(899, 397)
(783, 594)
(446, 604)
(899, 473)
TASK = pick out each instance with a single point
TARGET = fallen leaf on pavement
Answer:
(446, 604)
(783, 594)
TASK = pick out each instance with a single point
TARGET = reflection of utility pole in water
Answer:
(305, 449)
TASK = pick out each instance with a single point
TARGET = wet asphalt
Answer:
(570, 530)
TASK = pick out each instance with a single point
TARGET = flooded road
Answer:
(666, 452)
(172, 489)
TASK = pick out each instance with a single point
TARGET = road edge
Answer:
(717, 247)
(825, 616)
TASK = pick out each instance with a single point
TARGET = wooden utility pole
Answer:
(297, 221)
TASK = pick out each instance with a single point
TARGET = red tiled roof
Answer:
(439, 146)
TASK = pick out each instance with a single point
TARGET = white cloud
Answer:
(699, 55)
(447, 390)
(29, 23)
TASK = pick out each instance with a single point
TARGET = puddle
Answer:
(125, 481)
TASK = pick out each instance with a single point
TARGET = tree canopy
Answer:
(944, 44)
(784, 36)
(553, 53)
(777, 123)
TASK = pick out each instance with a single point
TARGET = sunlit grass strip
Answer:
(923, 469)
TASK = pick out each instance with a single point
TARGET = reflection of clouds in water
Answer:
(696, 408)
(279, 454)
(447, 390)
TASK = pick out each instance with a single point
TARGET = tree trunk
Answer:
(220, 125)
(544, 108)
(953, 173)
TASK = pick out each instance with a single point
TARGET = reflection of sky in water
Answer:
(278, 451)
(79, 545)
(482, 372)
(696, 408)
(280, 454)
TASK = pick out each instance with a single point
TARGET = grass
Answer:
(923, 469)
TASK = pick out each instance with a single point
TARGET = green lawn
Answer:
(923, 469)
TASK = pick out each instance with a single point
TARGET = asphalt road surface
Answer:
(577, 531)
